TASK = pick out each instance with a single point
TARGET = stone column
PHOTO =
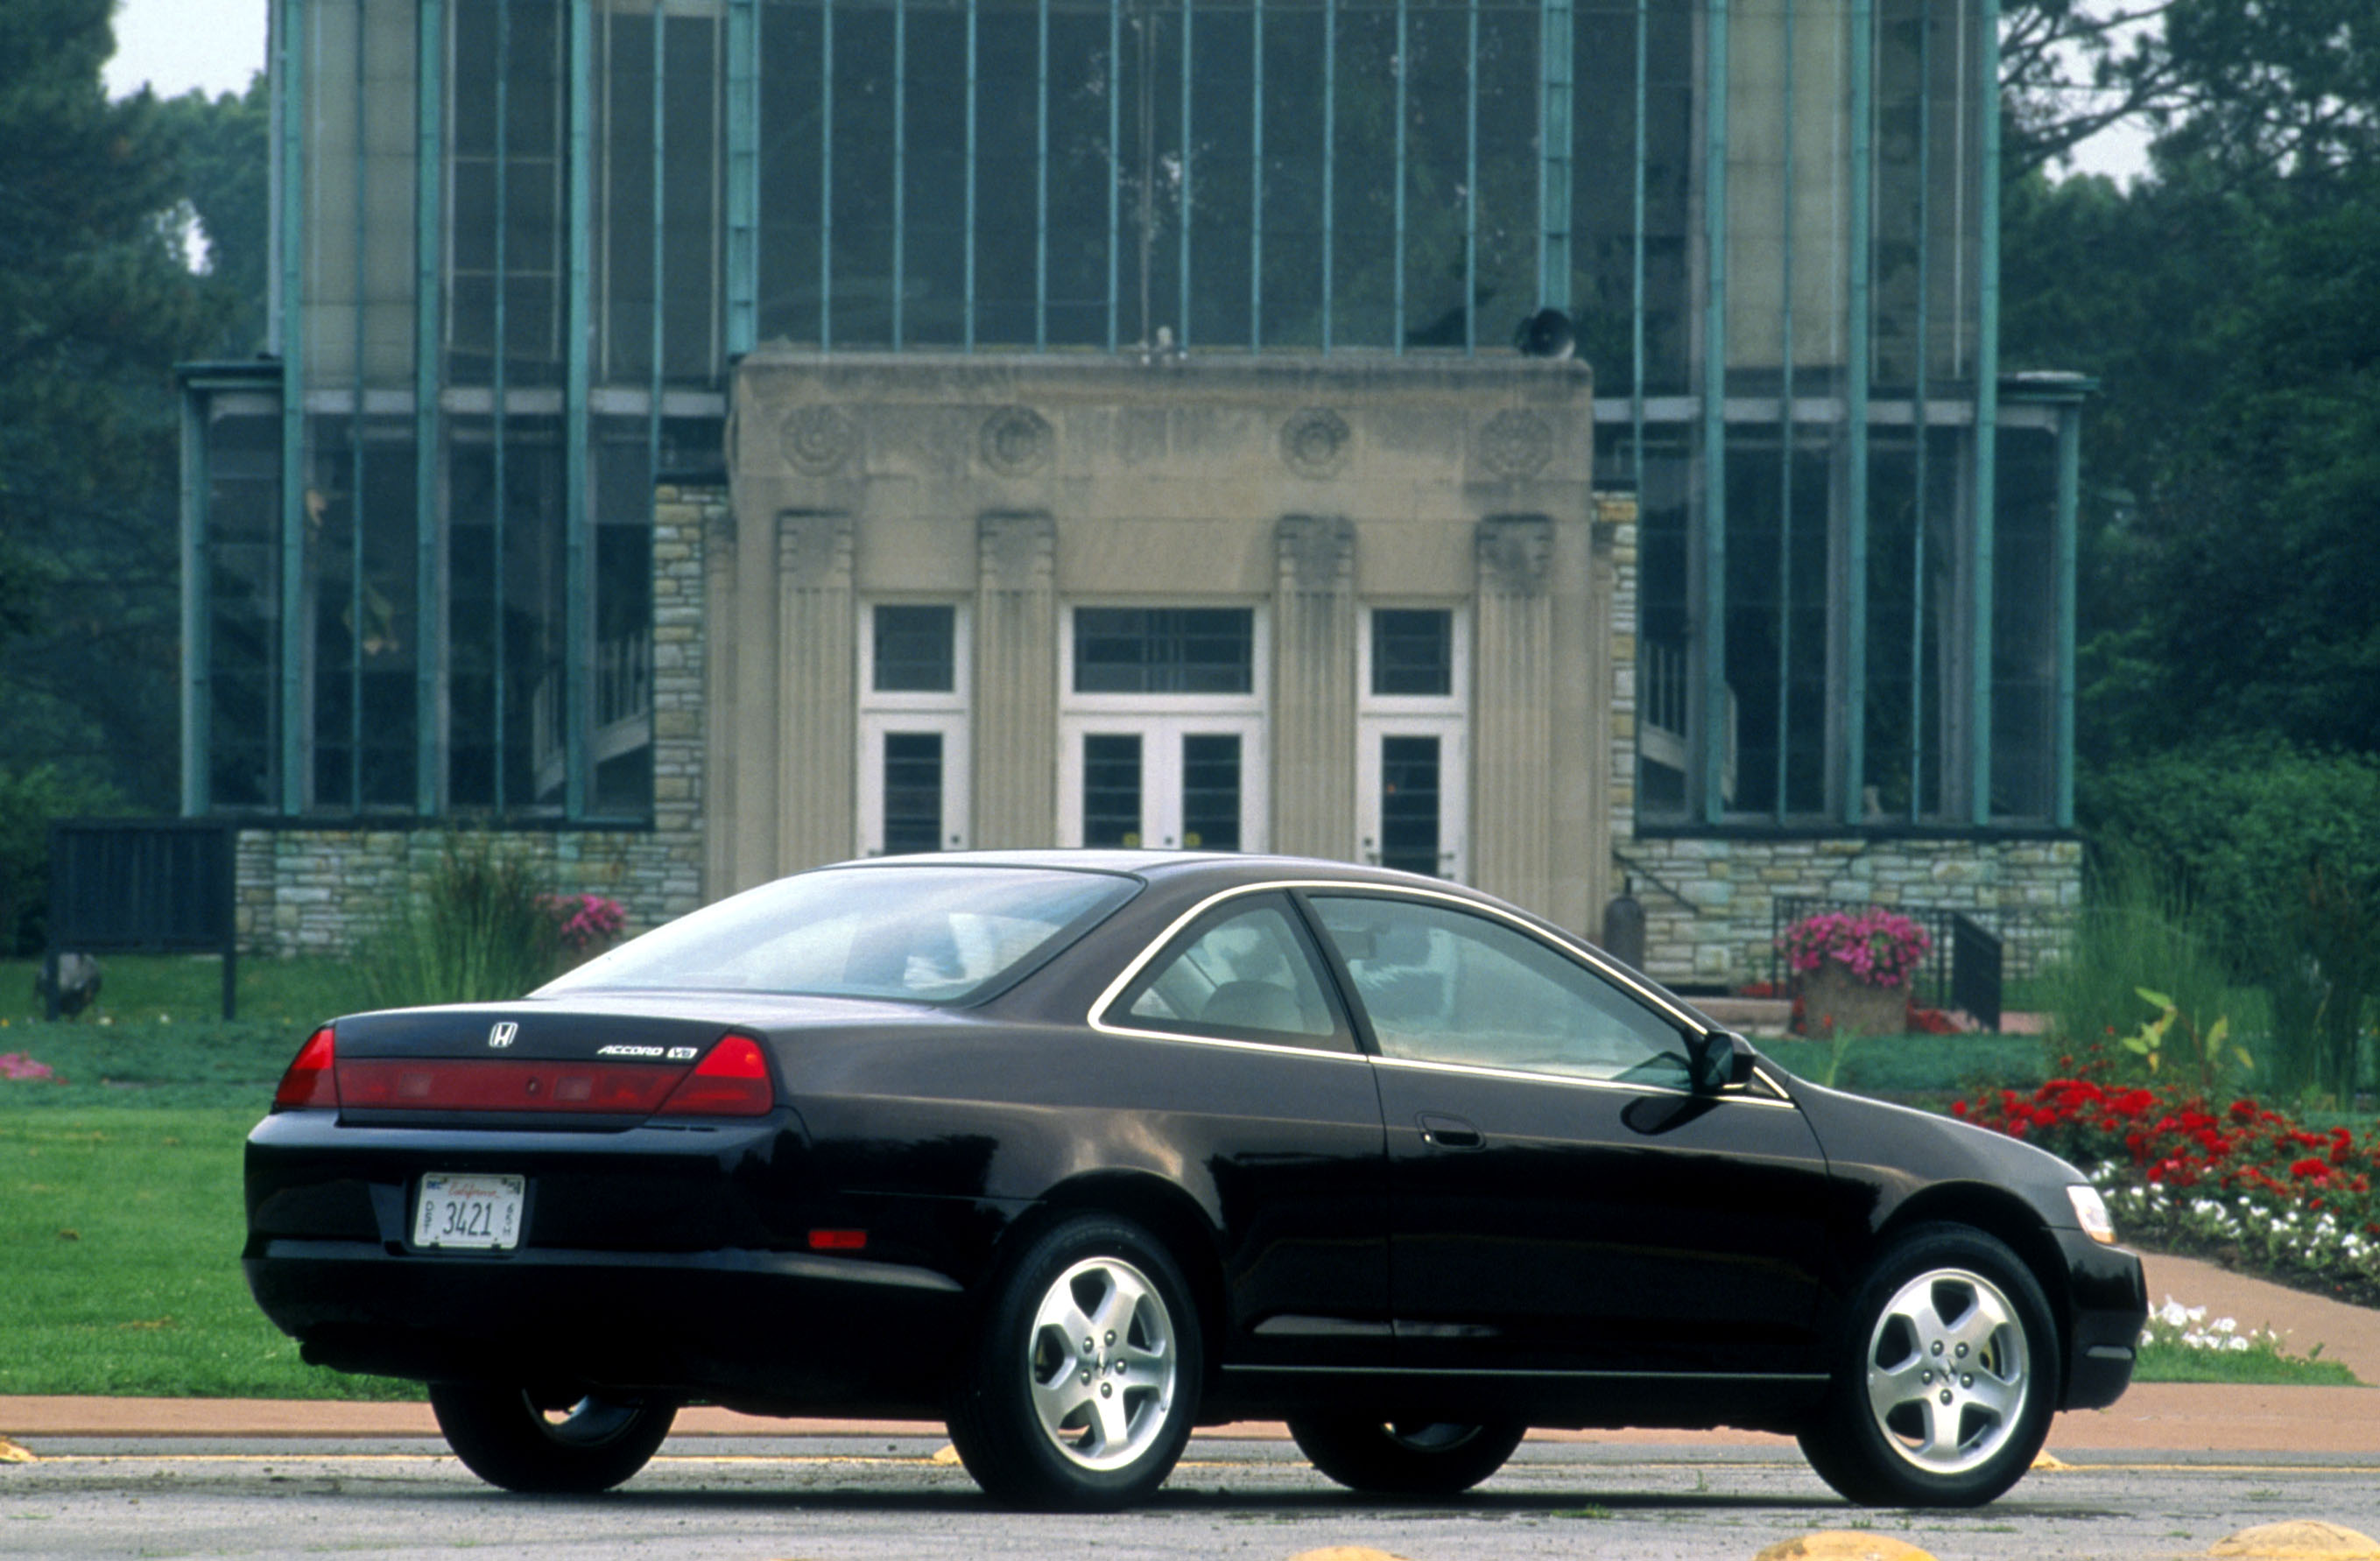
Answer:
(1312, 720)
(1016, 694)
(1511, 718)
(818, 736)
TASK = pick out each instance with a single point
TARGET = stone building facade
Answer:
(1708, 902)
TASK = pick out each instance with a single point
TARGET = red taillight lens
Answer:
(731, 1082)
(311, 1079)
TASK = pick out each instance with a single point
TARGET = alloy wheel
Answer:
(1103, 1360)
(1948, 1373)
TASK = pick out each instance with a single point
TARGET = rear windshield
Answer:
(925, 934)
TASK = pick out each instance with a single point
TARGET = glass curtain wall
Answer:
(1215, 174)
(500, 298)
(520, 242)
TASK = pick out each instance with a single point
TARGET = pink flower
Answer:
(16, 1065)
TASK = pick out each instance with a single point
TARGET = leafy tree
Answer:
(96, 304)
(225, 147)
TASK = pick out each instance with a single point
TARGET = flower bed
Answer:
(2239, 1181)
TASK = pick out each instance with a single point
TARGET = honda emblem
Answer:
(502, 1033)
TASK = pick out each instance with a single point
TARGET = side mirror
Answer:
(1722, 1060)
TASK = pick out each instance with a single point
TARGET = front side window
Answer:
(925, 934)
(1247, 974)
(1440, 985)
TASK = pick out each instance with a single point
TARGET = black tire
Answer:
(1096, 1419)
(503, 1436)
(1905, 1423)
(1404, 1457)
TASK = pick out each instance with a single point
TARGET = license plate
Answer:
(482, 1212)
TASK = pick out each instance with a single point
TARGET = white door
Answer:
(1411, 799)
(1162, 782)
(912, 784)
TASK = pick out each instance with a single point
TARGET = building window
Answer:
(914, 771)
(1412, 651)
(1161, 735)
(916, 651)
(1164, 650)
(1413, 772)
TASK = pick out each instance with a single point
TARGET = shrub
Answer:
(482, 929)
(2279, 849)
(2136, 931)
(29, 799)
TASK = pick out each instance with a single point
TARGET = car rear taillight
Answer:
(731, 1082)
(311, 1078)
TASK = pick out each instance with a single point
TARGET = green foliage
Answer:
(482, 929)
(2209, 1053)
(120, 1234)
(2280, 849)
(2137, 933)
(29, 799)
(225, 146)
(96, 305)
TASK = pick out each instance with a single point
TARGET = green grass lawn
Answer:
(2263, 1365)
(1902, 1066)
(121, 1230)
(141, 988)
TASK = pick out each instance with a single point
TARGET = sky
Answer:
(174, 45)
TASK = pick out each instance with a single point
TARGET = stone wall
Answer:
(312, 890)
(1709, 901)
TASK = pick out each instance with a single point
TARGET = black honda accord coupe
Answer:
(1078, 1150)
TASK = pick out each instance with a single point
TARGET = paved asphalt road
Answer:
(854, 1499)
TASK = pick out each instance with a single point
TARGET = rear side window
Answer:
(1246, 972)
(1441, 985)
(930, 934)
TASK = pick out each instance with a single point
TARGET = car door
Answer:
(1295, 1164)
(1560, 1198)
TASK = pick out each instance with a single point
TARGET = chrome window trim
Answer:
(1656, 1000)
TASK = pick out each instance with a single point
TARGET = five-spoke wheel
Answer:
(1944, 1393)
(1083, 1387)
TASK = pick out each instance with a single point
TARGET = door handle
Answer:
(1449, 1133)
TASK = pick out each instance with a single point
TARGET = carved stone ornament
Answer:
(1314, 443)
(1016, 442)
(1516, 444)
(817, 439)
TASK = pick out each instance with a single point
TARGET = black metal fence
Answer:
(143, 886)
(1961, 970)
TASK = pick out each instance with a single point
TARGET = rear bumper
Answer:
(2107, 1304)
(673, 1260)
(767, 1330)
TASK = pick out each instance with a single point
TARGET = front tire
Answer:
(1084, 1385)
(505, 1436)
(1404, 1457)
(1945, 1380)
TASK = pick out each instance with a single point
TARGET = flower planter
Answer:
(1835, 1003)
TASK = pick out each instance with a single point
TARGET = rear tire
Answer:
(503, 1436)
(1945, 1377)
(1085, 1381)
(1404, 1457)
